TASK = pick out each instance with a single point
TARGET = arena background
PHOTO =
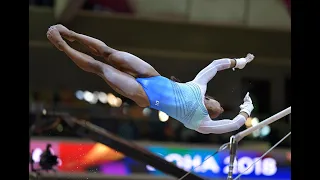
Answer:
(178, 38)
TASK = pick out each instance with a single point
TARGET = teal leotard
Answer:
(182, 101)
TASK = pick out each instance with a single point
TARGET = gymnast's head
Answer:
(213, 106)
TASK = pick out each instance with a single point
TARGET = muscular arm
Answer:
(208, 126)
(206, 74)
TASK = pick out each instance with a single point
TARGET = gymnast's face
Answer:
(214, 108)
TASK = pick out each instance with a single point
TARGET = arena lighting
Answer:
(59, 128)
(103, 98)
(248, 122)
(163, 117)
(288, 156)
(265, 131)
(110, 96)
(146, 111)
(259, 132)
(79, 95)
(113, 100)
(254, 122)
(256, 133)
(44, 111)
(88, 96)
(36, 155)
(96, 96)
(118, 102)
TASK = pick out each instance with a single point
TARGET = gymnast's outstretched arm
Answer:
(208, 126)
(206, 74)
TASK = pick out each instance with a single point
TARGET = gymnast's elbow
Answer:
(207, 131)
(218, 130)
(202, 131)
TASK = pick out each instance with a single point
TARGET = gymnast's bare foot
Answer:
(65, 32)
(55, 38)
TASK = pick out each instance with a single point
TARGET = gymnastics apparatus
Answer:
(86, 129)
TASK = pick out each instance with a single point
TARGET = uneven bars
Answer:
(236, 138)
(267, 121)
(233, 152)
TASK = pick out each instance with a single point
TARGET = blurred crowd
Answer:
(131, 126)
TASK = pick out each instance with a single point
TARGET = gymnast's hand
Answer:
(241, 62)
(247, 105)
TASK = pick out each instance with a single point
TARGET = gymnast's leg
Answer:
(123, 61)
(119, 81)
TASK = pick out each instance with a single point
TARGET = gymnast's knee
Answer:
(106, 51)
(116, 56)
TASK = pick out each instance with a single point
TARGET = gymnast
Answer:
(137, 80)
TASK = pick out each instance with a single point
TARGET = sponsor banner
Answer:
(95, 157)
